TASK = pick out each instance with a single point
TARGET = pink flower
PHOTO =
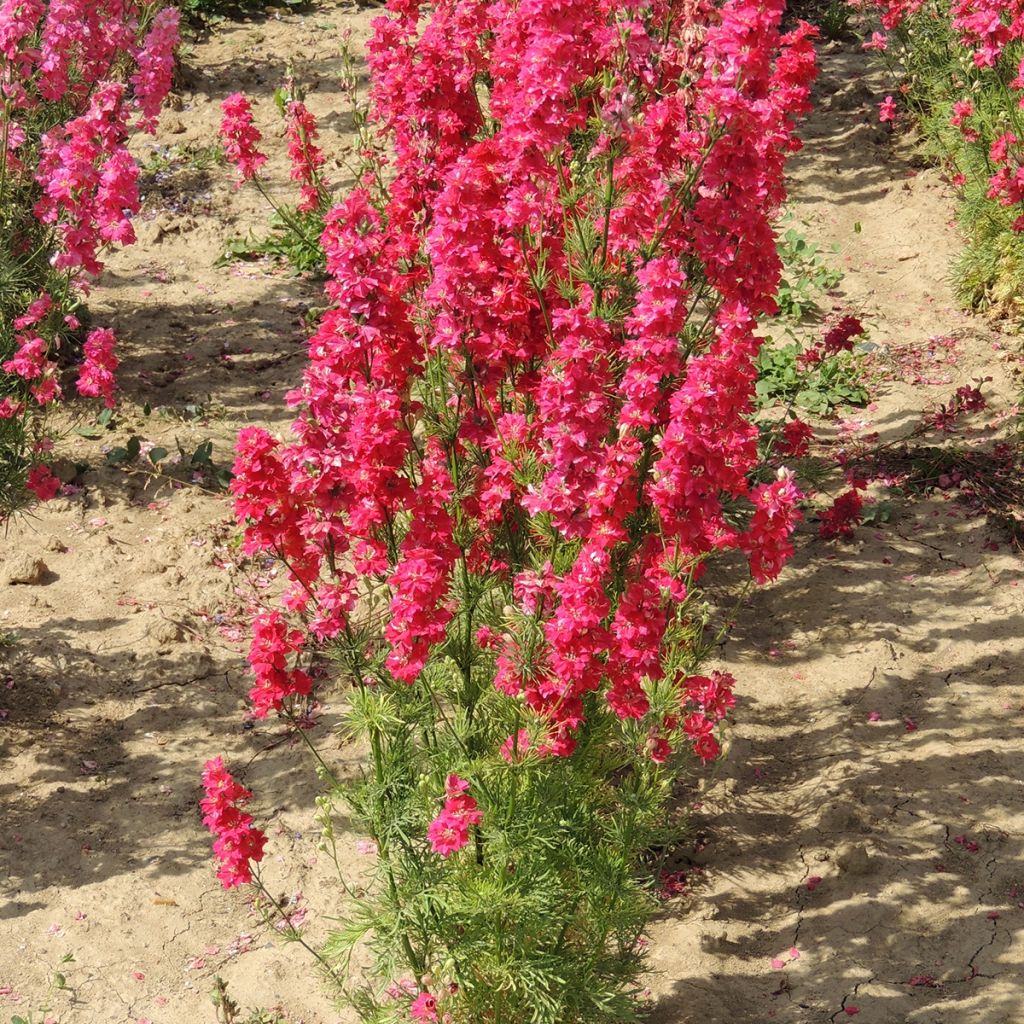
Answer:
(153, 78)
(887, 110)
(35, 312)
(273, 644)
(424, 1007)
(96, 377)
(516, 746)
(449, 831)
(240, 136)
(29, 361)
(776, 514)
(454, 786)
(237, 845)
(306, 157)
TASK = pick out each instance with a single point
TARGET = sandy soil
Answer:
(848, 862)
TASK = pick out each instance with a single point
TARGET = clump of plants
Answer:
(960, 71)
(202, 15)
(295, 228)
(818, 378)
(77, 80)
(525, 430)
(805, 275)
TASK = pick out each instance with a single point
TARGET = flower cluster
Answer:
(241, 137)
(838, 338)
(305, 155)
(712, 695)
(976, 86)
(536, 373)
(967, 399)
(237, 844)
(77, 80)
(96, 377)
(840, 518)
(86, 175)
(795, 441)
(273, 645)
(449, 831)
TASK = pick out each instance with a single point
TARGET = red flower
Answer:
(795, 440)
(42, 483)
(839, 337)
(842, 517)
(238, 845)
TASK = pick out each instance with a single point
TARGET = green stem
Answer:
(290, 716)
(286, 217)
(609, 199)
(3, 154)
(294, 932)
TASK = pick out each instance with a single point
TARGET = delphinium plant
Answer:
(959, 64)
(525, 429)
(77, 80)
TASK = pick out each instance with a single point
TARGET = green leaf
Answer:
(856, 227)
(90, 432)
(157, 454)
(105, 418)
(203, 455)
(134, 447)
